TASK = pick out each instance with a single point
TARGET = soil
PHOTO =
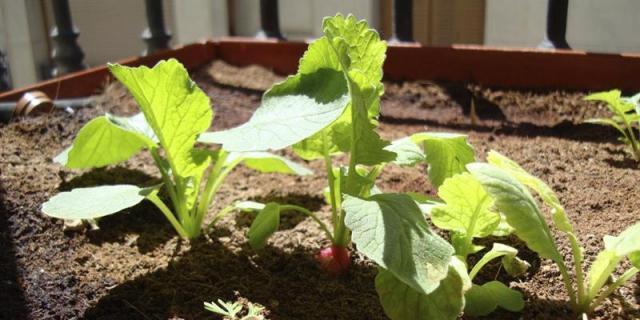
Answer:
(135, 267)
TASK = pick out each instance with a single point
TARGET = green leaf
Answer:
(467, 208)
(446, 153)
(627, 243)
(549, 197)
(616, 103)
(503, 229)
(107, 140)
(481, 300)
(391, 230)
(94, 202)
(408, 153)
(250, 206)
(264, 225)
(519, 208)
(290, 111)
(267, 162)
(512, 264)
(401, 302)
(351, 47)
(174, 106)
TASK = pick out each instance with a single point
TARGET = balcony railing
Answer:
(68, 56)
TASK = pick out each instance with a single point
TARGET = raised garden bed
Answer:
(136, 267)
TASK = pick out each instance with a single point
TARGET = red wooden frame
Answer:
(503, 67)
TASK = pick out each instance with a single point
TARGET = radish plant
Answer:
(174, 113)
(509, 185)
(625, 118)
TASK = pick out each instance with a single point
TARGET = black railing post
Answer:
(4, 73)
(155, 35)
(556, 36)
(269, 20)
(67, 54)
(402, 26)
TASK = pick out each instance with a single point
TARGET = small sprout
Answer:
(231, 310)
(625, 117)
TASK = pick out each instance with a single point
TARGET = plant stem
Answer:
(612, 287)
(216, 175)
(331, 179)
(153, 197)
(566, 279)
(577, 265)
(221, 215)
(312, 215)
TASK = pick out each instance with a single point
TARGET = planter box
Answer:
(490, 66)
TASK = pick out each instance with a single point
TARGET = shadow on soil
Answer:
(13, 304)
(288, 283)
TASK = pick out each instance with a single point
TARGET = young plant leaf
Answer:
(359, 54)
(546, 193)
(616, 249)
(467, 209)
(511, 263)
(391, 230)
(291, 111)
(401, 301)
(408, 153)
(174, 106)
(267, 162)
(264, 225)
(93, 202)
(481, 300)
(519, 207)
(107, 140)
(446, 153)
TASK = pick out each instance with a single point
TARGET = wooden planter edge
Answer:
(490, 66)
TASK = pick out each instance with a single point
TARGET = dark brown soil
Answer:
(136, 267)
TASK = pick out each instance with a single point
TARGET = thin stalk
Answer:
(153, 197)
(634, 141)
(226, 210)
(331, 179)
(214, 179)
(312, 215)
(168, 183)
(612, 287)
(566, 279)
(577, 265)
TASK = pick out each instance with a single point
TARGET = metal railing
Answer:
(68, 57)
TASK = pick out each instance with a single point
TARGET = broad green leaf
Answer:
(446, 153)
(634, 257)
(173, 105)
(359, 54)
(519, 208)
(481, 300)
(467, 208)
(107, 140)
(559, 216)
(290, 111)
(401, 301)
(391, 230)
(512, 264)
(94, 202)
(368, 147)
(408, 153)
(626, 242)
(425, 203)
(267, 162)
(264, 225)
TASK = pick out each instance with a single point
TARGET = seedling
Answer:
(174, 112)
(509, 185)
(466, 211)
(625, 118)
(231, 310)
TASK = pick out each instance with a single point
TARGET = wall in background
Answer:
(593, 25)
